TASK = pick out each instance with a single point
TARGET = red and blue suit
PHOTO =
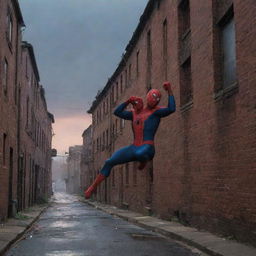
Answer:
(145, 122)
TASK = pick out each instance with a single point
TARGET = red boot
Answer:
(93, 187)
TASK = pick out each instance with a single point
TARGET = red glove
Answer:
(167, 86)
(131, 100)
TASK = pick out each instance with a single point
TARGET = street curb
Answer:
(19, 235)
(157, 230)
(232, 248)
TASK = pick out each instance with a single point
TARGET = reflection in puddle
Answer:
(64, 224)
(64, 198)
(65, 253)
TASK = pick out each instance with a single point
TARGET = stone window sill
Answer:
(226, 92)
(186, 106)
(185, 34)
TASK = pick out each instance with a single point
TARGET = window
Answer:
(117, 91)
(16, 93)
(121, 83)
(113, 177)
(126, 78)
(112, 95)
(5, 77)
(127, 178)
(107, 138)
(4, 149)
(184, 17)
(149, 60)
(104, 141)
(26, 66)
(130, 74)
(9, 27)
(135, 173)
(123, 123)
(158, 3)
(165, 57)
(137, 64)
(113, 130)
(121, 126)
(107, 105)
(185, 83)
(228, 52)
(116, 125)
(184, 32)
(27, 112)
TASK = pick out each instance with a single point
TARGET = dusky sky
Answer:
(78, 45)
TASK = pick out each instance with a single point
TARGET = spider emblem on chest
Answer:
(138, 121)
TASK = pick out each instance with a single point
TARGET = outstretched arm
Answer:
(162, 112)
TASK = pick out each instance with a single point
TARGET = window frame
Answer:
(5, 76)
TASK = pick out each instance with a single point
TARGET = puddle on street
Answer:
(64, 224)
(65, 253)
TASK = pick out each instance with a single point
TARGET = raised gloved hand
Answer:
(136, 102)
(132, 100)
(167, 86)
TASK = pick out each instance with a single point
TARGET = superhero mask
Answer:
(153, 98)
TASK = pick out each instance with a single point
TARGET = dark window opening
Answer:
(137, 64)
(127, 178)
(228, 52)
(134, 173)
(184, 17)
(165, 57)
(149, 60)
(185, 83)
(5, 78)
(9, 32)
(121, 82)
(4, 149)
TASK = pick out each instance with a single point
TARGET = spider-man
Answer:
(145, 122)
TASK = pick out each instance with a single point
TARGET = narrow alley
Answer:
(72, 228)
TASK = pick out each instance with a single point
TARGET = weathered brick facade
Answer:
(203, 172)
(25, 124)
(11, 22)
(86, 159)
(73, 184)
(35, 134)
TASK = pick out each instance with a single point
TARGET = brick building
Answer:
(25, 123)
(35, 136)
(203, 172)
(11, 22)
(73, 184)
(86, 165)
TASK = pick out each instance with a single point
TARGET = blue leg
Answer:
(145, 153)
(123, 155)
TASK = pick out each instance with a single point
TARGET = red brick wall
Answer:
(8, 107)
(204, 167)
(35, 133)
(13, 116)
